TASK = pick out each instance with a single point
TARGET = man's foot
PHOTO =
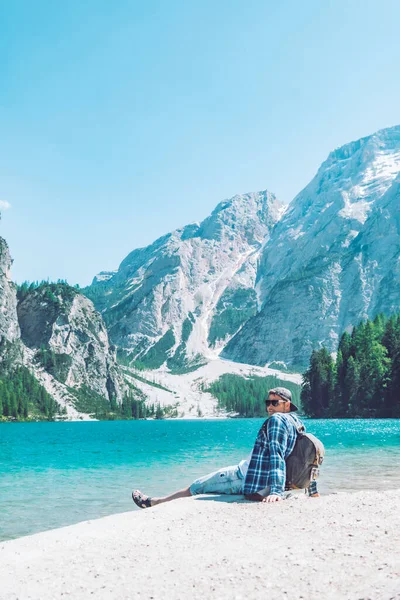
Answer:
(140, 499)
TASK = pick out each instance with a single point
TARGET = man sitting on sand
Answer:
(262, 477)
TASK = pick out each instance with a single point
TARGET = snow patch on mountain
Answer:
(104, 275)
(354, 210)
(382, 169)
(350, 237)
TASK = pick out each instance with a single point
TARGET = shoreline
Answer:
(226, 417)
(339, 546)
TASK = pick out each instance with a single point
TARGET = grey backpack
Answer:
(302, 466)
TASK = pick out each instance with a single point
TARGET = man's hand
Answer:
(272, 498)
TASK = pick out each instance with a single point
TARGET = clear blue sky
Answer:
(122, 121)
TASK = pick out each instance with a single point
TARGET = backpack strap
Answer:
(299, 427)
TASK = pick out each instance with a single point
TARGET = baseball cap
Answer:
(285, 394)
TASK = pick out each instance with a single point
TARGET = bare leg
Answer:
(144, 501)
(185, 493)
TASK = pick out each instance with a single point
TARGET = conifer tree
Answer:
(318, 394)
(366, 377)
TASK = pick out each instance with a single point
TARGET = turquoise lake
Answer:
(56, 474)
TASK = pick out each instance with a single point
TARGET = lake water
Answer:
(56, 474)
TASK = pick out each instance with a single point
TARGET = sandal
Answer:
(141, 500)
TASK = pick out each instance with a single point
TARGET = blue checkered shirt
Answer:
(274, 443)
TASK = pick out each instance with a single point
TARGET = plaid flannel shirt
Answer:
(274, 443)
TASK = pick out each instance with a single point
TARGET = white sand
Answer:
(343, 546)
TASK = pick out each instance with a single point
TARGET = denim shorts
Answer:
(225, 481)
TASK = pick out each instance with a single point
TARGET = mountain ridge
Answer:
(193, 283)
(300, 279)
(255, 282)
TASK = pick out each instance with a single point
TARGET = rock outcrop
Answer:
(11, 349)
(69, 339)
(371, 269)
(9, 328)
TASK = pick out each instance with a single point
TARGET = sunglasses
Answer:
(274, 402)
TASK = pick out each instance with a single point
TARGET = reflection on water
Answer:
(55, 474)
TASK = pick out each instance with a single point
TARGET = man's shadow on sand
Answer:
(239, 499)
(236, 499)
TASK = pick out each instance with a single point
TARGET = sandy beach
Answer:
(344, 546)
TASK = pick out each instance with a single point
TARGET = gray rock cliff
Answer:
(328, 263)
(11, 348)
(9, 328)
(69, 339)
(180, 299)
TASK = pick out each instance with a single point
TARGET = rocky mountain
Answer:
(69, 340)
(52, 339)
(253, 282)
(371, 273)
(9, 328)
(180, 299)
(332, 260)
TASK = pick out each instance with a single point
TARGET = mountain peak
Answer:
(369, 164)
(249, 213)
(182, 297)
(382, 139)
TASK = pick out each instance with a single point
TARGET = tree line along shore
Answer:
(362, 380)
